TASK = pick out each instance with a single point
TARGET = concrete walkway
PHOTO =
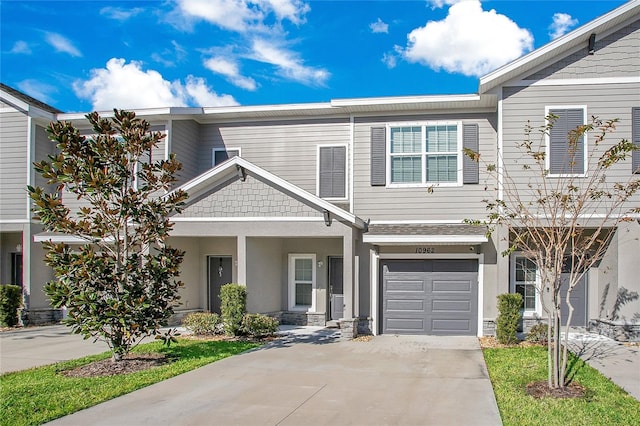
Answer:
(316, 379)
(617, 361)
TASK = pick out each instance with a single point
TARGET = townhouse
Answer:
(354, 210)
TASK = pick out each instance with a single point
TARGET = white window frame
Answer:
(214, 150)
(292, 282)
(547, 141)
(346, 167)
(528, 313)
(424, 154)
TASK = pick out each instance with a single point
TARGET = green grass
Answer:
(38, 395)
(511, 369)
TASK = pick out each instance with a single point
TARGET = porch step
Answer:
(333, 324)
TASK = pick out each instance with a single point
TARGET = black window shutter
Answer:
(378, 156)
(332, 171)
(470, 140)
(561, 160)
(635, 137)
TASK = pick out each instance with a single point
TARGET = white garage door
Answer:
(435, 297)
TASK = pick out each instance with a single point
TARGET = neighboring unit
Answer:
(354, 210)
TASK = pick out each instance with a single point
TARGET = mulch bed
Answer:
(492, 342)
(130, 363)
(542, 390)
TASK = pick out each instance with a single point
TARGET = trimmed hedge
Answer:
(203, 323)
(259, 325)
(509, 306)
(10, 302)
(233, 306)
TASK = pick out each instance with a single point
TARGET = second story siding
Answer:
(417, 203)
(14, 142)
(289, 149)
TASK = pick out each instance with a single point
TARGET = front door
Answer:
(219, 273)
(336, 296)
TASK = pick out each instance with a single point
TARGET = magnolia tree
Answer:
(563, 224)
(121, 283)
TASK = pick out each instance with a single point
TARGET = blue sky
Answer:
(86, 55)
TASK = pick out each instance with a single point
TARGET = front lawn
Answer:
(38, 395)
(511, 369)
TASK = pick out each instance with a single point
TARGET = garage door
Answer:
(436, 297)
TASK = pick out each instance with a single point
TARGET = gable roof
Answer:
(23, 101)
(237, 167)
(559, 46)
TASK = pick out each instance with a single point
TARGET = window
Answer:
(220, 155)
(302, 282)
(564, 158)
(425, 154)
(524, 277)
(332, 171)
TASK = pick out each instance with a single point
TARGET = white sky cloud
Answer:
(379, 27)
(62, 44)
(170, 57)
(244, 15)
(390, 59)
(120, 13)
(122, 85)
(561, 24)
(469, 41)
(37, 89)
(231, 71)
(288, 63)
(21, 46)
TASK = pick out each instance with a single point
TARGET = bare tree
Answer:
(562, 223)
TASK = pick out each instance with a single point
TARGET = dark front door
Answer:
(219, 272)
(336, 295)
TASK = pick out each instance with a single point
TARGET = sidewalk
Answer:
(620, 362)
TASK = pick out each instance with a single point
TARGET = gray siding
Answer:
(44, 148)
(285, 148)
(13, 164)
(616, 55)
(185, 135)
(416, 203)
(251, 198)
(606, 101)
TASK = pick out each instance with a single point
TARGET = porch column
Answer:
(241, 258)
(348, 252)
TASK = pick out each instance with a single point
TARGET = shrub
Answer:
(508, 317)
(538, 334)
(233, 305)
(10, 302)
(259, 325)
(203, 323)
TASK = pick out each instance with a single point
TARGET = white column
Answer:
(242, 260)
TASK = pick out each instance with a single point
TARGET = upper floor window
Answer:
(332, 171)
(563, 157)
(220, 155)
(425, 154)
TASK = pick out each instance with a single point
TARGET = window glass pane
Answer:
(442, 138)
(406, 169)
(442, 168)
(304, 270)
(406, 139)
(303, 294)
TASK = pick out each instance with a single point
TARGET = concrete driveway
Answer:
(316, 379)
(35, 346)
